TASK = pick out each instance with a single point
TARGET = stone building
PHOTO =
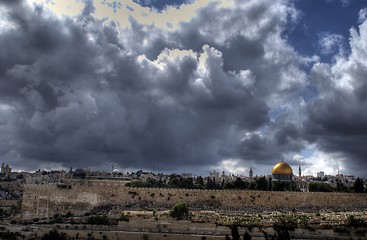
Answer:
(251, 175)
(5, 169)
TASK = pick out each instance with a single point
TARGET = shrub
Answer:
(98, 220)
(54, 235)
(179, 211)
(341, 230)
(124, 218)
(246, 236)
(361, 232)
(304, 223)
(319, 187)
(355, 222)
(283, 226)
(234, 232)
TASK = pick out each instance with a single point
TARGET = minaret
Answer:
(299, 172)
(251, 174)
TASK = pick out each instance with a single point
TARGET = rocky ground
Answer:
(206, 225)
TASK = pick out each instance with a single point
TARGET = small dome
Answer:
(282, 168)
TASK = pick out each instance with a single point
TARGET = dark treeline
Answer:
(258, 183)
(176, 181)
(357, 187)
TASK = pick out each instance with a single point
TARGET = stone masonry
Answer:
(80, 196)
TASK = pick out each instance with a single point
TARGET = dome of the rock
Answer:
(282, 171)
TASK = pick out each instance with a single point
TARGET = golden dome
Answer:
(282, 168)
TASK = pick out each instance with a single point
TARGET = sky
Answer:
(184, 86)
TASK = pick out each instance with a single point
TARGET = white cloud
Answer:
(233, 166)
(327, 163)
(362, 16)
(331, 43)
(345, 2)
(5, 24)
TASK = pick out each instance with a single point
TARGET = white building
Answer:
(214, 175)
(320, 174)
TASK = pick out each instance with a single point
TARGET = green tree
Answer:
(199, 182)
(283, 226)
(53, 235)
(11, 235)
(151, 182)
(319, 187)
(240, 184)
(278, 186)
(261, 184)
(179, 211)
(234, 232)
(284, 186)
(358, 185)
(252, 185)
(354, 222)
(98, 220)
(173, 181)
(124, 218)
(139, 183)
(210, 184)
(228, 185)
(187, 183)
(339, 186)
(293, 187)
(246, 236)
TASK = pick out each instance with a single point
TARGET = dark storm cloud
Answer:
(160, 5)
(337, 120)
(281, 137)
(10, 2)
(82, 92)
(88, 8)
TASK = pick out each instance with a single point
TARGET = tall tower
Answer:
(299, 172)
(251, 174)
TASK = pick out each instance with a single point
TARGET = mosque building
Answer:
(282, 171)
(5, 169)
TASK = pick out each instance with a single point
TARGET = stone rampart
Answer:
(80, 196)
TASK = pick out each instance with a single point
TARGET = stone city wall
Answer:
(80, 196)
